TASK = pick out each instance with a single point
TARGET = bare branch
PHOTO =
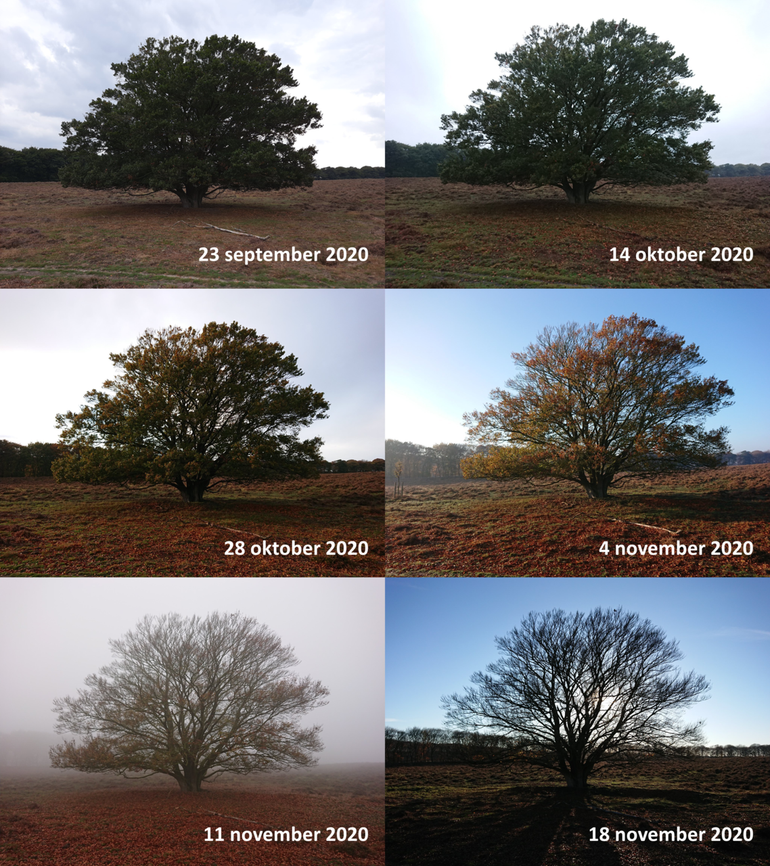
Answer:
(576, 692)
(192, 698)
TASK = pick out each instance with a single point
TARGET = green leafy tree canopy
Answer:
(194, 120)
(592, 403)
(192, 699)
(193, 406)
(581, 110)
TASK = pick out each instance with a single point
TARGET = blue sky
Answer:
(439, 631)
(435, 59)
(446, 349)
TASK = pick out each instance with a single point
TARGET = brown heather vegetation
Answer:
(51, 237)
(50, 529)
(456, 528)
(461, 236)
(464, 815)
(66, 818)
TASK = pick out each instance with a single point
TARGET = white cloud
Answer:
(57, 57)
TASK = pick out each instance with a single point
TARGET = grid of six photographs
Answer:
(384, 445)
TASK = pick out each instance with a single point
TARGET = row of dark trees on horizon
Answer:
(34, 461)
(30, 164)
(443, 460)
(42, 164)
(423, 160)
(417, 746)
(417, 461)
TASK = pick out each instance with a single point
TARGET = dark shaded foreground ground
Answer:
(459, 815)
(459, 528)
(50, 529)
(462, 236)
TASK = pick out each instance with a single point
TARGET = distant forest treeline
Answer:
(443, 460)
(349, 172)
(422, 160)
(31, 164)
(441, 746)
(34, 461)
(741, 170)
(419, 160)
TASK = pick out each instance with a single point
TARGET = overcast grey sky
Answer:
(56, 59)
(55, 346)
(436, 58)
(55, 631)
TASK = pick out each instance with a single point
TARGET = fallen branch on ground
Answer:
(646, 526)
(234, 817)
(218, 228)
(230, 529)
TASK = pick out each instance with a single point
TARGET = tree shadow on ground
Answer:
(511, 826)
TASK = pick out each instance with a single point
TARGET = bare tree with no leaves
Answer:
(578, 691)
(192, 698)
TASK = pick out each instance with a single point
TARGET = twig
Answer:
(218, 228)
(230, 529)
(646, 526)
(236, 818)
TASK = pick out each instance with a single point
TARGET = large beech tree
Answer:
(191, 698)
(594, 403)
(194, 120)
(581, 110)
(575, 692)
(191, 407)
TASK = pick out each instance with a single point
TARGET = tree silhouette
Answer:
(595, 402)
(191, 698)
(575, 692)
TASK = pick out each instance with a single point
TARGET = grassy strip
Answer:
(55, 237)
(490, 529)
(458, 236)
(460, 815)
(54, 530)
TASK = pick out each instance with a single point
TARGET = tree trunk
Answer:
(189, 778)
(577, 779)
(192, 490)
(192, 196)
(578, 192)
(597, 486)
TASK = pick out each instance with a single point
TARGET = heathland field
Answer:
(52, 237)
(461, 236)
(332, 526)
(65, 818)
(466, 815)
(711, 523)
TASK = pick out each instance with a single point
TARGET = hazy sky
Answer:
(439, 631)
(55, 346)
(56, 59)
(437, 58)
(55, 631)
(447, 349)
